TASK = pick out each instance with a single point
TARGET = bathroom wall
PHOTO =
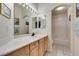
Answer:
(6, 27)
(69, 25)
(74, 37)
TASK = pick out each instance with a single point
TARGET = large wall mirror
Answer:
(21, 20)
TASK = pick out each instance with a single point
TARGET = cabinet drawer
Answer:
(33, 45)
(21, 52)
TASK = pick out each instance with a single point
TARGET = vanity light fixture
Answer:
(30, 8)
(33, 11)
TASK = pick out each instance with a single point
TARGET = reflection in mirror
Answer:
(42, 23)
(21, 20)
(34, 22)
(39, 24)
(16, 26)
(16, 21)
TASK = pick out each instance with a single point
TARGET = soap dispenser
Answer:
(33, 34)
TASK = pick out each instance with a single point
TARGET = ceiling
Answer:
(42, 7)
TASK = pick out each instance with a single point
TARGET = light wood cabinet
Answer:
(21, 52)
(46, 43)
(41, 47)
(34, 49)
(34, 52)
(37, 48)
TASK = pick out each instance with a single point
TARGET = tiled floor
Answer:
(59, 50)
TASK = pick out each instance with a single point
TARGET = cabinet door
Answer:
(33, 45)
(21, 52)
(34, 49)
(46, 43)
(41, 47)
(34, 52)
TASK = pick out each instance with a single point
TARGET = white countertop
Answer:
(19, 42)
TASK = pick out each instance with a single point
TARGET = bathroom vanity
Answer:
(26, 46)
(23, 43)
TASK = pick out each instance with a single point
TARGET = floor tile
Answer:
(59, 50)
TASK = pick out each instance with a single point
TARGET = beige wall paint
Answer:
(6, 27)
(74, 38)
